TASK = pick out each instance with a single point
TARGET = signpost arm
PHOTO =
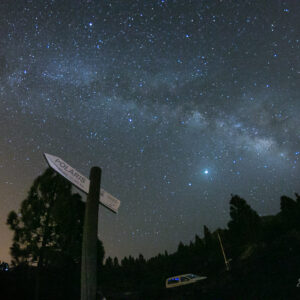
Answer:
(89, 241)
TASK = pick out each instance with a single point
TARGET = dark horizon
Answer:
(262, 257)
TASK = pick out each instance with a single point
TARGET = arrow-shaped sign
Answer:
(68, 172)
(109, 201)
(80, 181)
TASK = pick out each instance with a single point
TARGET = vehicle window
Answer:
(173, 280)
(184, 279)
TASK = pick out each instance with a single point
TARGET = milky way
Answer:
(182, 103)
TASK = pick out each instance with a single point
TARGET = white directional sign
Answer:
(80, 181)
(109, 201)
(68, 172)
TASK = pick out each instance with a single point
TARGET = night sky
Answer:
(181, 103)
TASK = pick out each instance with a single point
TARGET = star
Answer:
(162, 98)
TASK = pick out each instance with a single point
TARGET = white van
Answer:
(183, 280)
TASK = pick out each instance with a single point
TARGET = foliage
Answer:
(255, 245)
(48, 234)
(245, 224)
(49, 223)
(263, 251)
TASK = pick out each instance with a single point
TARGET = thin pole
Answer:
(224, 255)
(89, 241)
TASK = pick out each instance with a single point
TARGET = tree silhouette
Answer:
(116, 262)
(245, 223)
(48, 227)
(264, 252)
(290, 211)
(109, 263)
(207, 237)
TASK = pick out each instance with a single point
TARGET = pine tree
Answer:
(48, 227)
(245, 223)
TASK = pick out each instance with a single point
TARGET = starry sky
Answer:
(180, 102)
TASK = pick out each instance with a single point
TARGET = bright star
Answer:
(206, 171)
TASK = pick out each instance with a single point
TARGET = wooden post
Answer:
(89, 240)
(224, 255)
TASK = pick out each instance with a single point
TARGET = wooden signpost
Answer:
(90, 228)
